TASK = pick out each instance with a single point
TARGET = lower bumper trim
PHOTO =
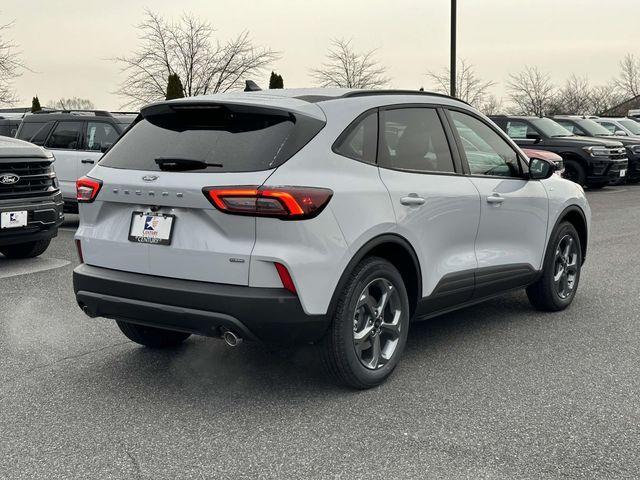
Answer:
(270, 315)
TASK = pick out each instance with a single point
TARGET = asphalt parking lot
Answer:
(494, 391)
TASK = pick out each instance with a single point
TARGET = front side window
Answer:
(487, 152)
(360, 141)
(609, 126)
(100, 136)
(414, 139)
(572, 127)
(66, 135)
(518, 129)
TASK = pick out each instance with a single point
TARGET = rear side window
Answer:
(35, 132)
(66, 135)
(360, 141)
(414, 139)
(240, 139)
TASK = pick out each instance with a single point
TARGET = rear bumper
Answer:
(270, 315)
(44, 218)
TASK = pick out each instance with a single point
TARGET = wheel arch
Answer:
(575, 215)
(397, 250)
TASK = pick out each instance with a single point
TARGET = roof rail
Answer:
(365, 93)
(97, 113)
(124, 113)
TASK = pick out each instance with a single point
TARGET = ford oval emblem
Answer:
(9, 178)
(149, 178)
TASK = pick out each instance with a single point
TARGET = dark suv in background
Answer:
(594, 162)
(30, 200)
(583, 126)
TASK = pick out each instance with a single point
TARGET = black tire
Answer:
(339, 344)
(26, 250)
(544, 294)
(575, 172)
(633, 180)
(150, 336)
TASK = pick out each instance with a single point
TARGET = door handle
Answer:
(495, 198)
(87, 160)
(412, 200)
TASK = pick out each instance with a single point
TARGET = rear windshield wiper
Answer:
(176, 164)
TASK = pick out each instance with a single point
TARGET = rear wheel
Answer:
(558, 284)
(370, 325)
(150, 336)
(26, 250)
(575, 172)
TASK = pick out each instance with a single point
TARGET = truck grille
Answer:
(617, 153)
(36, 178)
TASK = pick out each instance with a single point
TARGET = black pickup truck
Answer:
(592, 162)
(30, 199)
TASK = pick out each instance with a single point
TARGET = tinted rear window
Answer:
(242, 141)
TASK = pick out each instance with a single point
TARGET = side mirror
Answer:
(620, 133)
(541, 169)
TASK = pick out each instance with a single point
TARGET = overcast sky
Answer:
(68, 43)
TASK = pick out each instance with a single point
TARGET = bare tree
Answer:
(605, 97)
(531, 92)
(574, 98)
(491, 105)
(10, 66)
(469, 87)
(629, 80)
(73, 103)
(346, 68)
(187, 47)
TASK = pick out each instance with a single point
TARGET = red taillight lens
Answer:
(285, 277)
(286, 203)
(87, 189)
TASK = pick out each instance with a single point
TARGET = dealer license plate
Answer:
(153, 228)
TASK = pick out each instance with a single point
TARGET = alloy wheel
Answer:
(376, 323)
(565, 270)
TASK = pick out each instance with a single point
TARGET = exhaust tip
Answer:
(231, 339)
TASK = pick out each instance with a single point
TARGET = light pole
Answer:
(452, 67)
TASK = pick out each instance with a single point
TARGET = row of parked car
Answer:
(595, 151)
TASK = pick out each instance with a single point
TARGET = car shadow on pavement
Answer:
(206, 369)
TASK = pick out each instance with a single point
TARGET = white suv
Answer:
(326, 216)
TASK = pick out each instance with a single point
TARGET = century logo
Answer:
(9, 178)
(150, 178)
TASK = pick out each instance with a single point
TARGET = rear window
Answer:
(239, 139)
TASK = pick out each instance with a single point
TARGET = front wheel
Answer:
(26, 250)
(575, 172)
(150, 336)
(370, 325)
(557, 286)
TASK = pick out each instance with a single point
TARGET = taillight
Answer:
(87, 189)
(285, 277)
(286, 203)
